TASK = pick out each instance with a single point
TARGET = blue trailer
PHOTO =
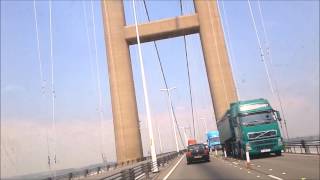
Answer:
(213, 140)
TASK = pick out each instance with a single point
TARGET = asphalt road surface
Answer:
(288, 166)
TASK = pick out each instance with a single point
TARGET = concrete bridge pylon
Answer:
(119, 36)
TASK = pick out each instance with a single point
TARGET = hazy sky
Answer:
(26, 133)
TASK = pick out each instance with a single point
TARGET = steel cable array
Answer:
(271, 61)
(163, 75)
(43, 84)
(273, 91)
(188, 72)
(53, 95)
(97, 72)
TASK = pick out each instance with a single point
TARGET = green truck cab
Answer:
(250, 125)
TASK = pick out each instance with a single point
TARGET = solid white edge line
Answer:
(275, 177)
(174, 167)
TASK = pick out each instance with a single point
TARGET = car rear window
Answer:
(196, 147)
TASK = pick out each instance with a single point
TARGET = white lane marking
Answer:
(258, 166)
(284, 173)
(138, 177)
(174, 167)
(270, 169)
(275, 177)
(249, 172)
(303, 178)
(258, 176)
(240, 168)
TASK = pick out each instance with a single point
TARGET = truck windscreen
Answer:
(214, 140)
(257, 118)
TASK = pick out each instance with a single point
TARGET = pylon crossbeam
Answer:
(163, 29)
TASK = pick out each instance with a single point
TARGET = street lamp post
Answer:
(171, 113)
(146, 97)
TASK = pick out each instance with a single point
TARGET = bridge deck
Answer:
(288, 166)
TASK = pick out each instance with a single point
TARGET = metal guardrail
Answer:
(136, 169)
(143, 170)
(302, 146)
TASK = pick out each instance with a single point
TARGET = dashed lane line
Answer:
(249, 172)
(269, 175)
(275, 177)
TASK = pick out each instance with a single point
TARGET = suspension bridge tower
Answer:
(119, 37)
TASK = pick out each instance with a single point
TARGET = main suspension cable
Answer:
(38, 48)
(188, 72)
(260, 48)
(98, 81)
(263, 58)
(163, 74)
(271, 61)
(43, 84)
(52, 89)
(88, 39)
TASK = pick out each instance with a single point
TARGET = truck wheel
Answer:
(237, 153)
(278, 153)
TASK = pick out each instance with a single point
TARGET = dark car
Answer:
(197, 152)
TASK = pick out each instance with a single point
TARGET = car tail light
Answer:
(188, 154)
(206, 151)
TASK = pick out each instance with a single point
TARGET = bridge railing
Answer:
(126, 170)
(302, 146)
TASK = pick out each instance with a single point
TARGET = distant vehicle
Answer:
(251, 125)
(213, 140)
(197, 152)
(191, 141)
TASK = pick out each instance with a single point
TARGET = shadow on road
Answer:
(264, 156)
(198, 162)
